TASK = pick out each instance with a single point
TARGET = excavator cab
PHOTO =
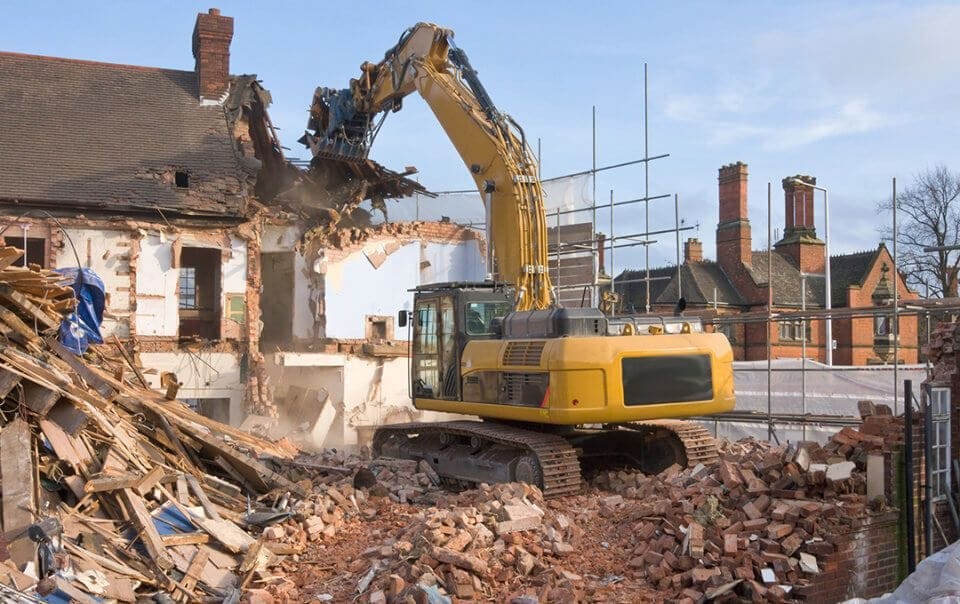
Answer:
(445, 317)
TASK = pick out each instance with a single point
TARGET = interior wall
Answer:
(107, 253)
(203, 375)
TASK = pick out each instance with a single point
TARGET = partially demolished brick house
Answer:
(172, 187)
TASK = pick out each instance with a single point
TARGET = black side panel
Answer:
(669, 379)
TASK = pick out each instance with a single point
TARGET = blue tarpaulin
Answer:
(82, 327)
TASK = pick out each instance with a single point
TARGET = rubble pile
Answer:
(759, 525)
(110, 490)
(941, 351)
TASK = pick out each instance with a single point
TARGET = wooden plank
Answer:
(185, 539)
(16, 470)
(183, 495)
(9, 255)
(100, 385)
(66, 415)
(233, 538)
(257, 474)
(8, 381)
(152, 479)
(39, 399)
(11, 295)
(194, 570)
(63, 445)
(142, 519)
(202, 497)
(25, 331)
(126, 357)
(116, 482)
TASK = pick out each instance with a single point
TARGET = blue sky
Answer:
(854, 93)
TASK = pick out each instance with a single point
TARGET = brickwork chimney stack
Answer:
(211, 49)
(800, 244)
(693, 250)
(798, 205)
(733, 229)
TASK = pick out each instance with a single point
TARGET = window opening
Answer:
(181, 179)
(940, 448)
(199, 290)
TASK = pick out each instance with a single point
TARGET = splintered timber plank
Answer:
(257, 474)
(16, 471)
(12, 296)
(142, 519)
(99, 384)
(197, 489)
(9, 255)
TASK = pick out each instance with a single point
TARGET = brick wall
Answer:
(863, 565)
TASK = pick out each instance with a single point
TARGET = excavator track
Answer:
(486, 450)
(700, 446)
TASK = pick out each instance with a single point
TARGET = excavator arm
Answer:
(491, 144)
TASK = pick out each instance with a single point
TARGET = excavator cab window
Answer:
(425, 362)
(436, 371)
(480, 317)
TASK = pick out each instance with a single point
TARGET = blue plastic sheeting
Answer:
(169, 520)
(82, 327)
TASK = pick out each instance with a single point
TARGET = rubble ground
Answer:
(757, 526)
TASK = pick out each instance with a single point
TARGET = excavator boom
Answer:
(491, 144)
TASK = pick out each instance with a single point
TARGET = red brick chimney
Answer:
(693, 250)
(800, 244)
(733, 229)
(798, 204)
(211, 49)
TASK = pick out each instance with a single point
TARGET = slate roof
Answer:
(787, 281)
(847, 270)
(105, 137)
(698, 281)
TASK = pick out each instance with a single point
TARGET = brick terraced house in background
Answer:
(736, 283)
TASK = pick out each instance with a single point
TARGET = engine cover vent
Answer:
(525, 353)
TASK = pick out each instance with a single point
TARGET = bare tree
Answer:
(928, 215)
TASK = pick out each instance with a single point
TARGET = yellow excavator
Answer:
(554, 387)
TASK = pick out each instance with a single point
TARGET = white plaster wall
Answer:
(284, 239)
(442, 262)
(203, 375)
(156, 287)
(235, 270)
(354, 289)
(107, 253)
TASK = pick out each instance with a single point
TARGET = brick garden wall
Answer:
(863, 565)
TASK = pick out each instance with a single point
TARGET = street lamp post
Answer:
(826, 239)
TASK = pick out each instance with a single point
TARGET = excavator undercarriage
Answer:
(464, 453)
